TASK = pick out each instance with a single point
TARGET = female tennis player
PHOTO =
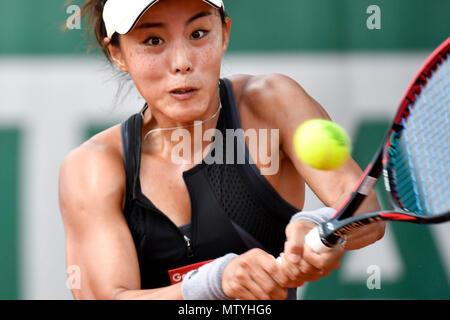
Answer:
(140, 225)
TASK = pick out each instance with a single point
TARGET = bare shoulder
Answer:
(93, 172)
(263, 86)
(275, 98)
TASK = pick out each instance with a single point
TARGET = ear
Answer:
(226, 35)
(116, 55)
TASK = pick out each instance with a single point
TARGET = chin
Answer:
(188, 111)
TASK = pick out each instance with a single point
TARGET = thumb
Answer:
(295, 233)
(293, 251)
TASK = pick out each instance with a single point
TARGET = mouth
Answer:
(183, 90)
(183, 93)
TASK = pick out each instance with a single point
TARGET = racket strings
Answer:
(418, 157)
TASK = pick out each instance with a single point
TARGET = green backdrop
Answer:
(35, 27)
(9, 212)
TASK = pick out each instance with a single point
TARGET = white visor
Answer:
(122, 15)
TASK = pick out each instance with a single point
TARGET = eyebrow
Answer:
(163, 25)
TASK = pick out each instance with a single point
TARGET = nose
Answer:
(181, 62)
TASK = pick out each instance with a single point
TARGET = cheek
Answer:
(147, 72)
(142, 65)
(209, 59)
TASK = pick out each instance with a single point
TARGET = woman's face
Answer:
(174, 56)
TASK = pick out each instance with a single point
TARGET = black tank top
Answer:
(233, 207)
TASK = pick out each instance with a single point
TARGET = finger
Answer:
(250, 275)
(308, 269)
(244, 293)
(324, 261)
(267, 273)
(254, 287)
(276, 271)
(296, 265)
(266, 279)
(293, 250)
(290, 270)
(243, 286)
(293, 273)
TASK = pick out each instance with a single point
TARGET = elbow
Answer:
(111, 294)
(119, 294)
(100, 294)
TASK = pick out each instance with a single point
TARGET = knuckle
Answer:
(255, 251)
(325, 265)
(240, 274)
(232, 288)
(272, 268)
(306, 268)
(291, 276)
(260, 293)
(284, 281)
(296, 247)
(319, 265)
(243, 263)
(297, 272)
(272, 288)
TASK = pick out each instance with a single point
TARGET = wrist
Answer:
(205, 283)
(300, 226)
(317, 217)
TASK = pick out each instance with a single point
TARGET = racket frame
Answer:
(333, 231)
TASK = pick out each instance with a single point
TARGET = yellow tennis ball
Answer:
(322, 144)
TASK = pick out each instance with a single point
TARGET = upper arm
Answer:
(284, 105)
(98, 240)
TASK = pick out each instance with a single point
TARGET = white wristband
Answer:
(318, 216)
(205, 283)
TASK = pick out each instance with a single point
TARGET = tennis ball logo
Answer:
(322, 144)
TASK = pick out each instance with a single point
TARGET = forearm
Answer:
(368, 234)
(365, 235)
(369, 204)
(172, 292)
(204, 283)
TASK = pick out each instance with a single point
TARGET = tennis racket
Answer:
(414, 159)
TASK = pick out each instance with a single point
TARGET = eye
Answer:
(154, 41)
(198, 34)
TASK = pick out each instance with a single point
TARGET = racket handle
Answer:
(312, 239)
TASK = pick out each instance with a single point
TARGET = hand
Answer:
(254, 275)
(300, 263)
(365, 235)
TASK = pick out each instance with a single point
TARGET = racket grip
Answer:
(313, 240)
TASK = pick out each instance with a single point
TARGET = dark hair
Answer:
(93, 11)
